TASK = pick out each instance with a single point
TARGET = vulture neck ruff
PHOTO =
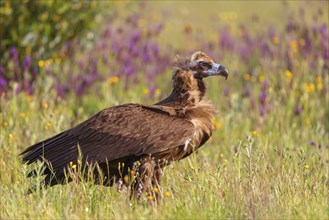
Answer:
(187, 91)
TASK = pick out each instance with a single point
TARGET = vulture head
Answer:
(201, 65)
(188, 86)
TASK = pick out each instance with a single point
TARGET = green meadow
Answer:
(269, 155)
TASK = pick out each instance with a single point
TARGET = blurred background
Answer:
(63, 61)
(69, 59)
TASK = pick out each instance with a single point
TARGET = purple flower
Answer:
(262, 98)
(298, 110)
(226, 91)
(27, 63)
(324, 31)
(135, 37)
(3, 81)
(261, 110)
(264, 85)
(246, 91)
(226, 42)
(13, 53)
(312, 143)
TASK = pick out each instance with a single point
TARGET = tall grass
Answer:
(268, 157)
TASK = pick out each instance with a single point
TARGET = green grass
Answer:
(253, 167)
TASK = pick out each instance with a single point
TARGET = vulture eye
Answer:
(204, 64)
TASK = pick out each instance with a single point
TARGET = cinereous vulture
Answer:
(134, 138)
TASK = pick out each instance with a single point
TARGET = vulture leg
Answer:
(156, 180)
(144, 176)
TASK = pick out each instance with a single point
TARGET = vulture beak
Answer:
(218, 69)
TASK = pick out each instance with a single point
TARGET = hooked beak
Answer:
(218, 69)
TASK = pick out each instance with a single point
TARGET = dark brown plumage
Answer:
(142, 137)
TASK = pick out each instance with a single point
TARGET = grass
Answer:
(247, 170)
(254, 166)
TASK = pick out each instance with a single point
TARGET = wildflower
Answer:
(306, 166)
(261, 78)
(112, 80)
(262, 97)
(155, 189)
(309, 87)
(224, 161)
(288, 75)
(48, 126)
(217, 124)
(11, 137)
(45, 105)
(27, 63)
(126, 178)
(298, 110)
(22, 115)
(157, 91)
(255, 133)
(319, 83)
(149, 197)
(86, 209)
(168, 194)
(41, 63)
(246, 76)
(132, 172)
(5, 124)
(276, 40)
(146, 91)
(293, 46)
(221, 155)
(72, 165)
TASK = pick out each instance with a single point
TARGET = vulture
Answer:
(134, 138)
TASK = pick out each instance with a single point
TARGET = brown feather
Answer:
(161, 133)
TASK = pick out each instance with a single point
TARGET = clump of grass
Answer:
(268, 157)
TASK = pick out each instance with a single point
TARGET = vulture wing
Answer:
(114, 133)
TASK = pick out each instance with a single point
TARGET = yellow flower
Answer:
(48, 126)
(306, 166)
(309, 87)
(254, 133)
(288, 75)
(217, 124)
(126, 178)
(132, 172)
(112, 80)
(276, 40)
(221, 155)
(157, 91)
(72, 165)
(149, 197)
(45, 105)
(22, 115)
(146, 91)
(5, 124)
(319, 83)
(11, 137)
(225, 161)
(246, 76)
(293, 46)
(156, 190)
(41, 63)
(168, 194)
(261, 78)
